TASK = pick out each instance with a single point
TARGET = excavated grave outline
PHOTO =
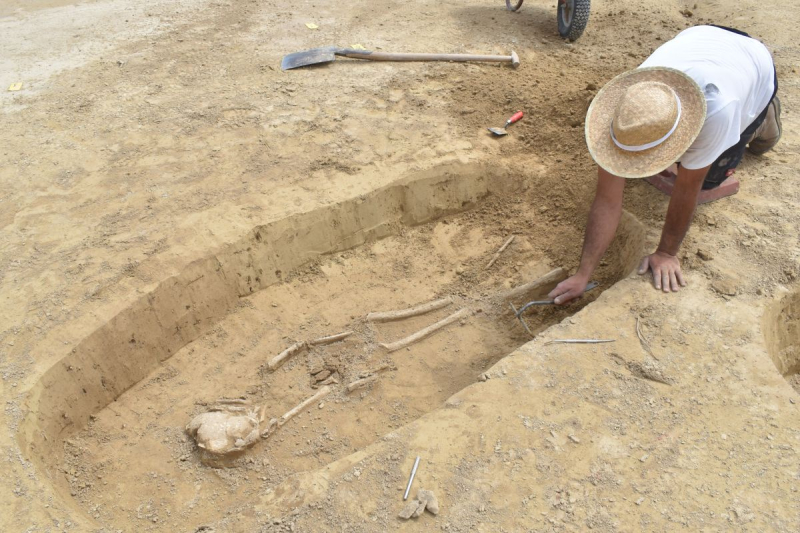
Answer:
(183, 307)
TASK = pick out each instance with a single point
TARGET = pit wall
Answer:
(135, 342)
(782, 333)
(180, 309)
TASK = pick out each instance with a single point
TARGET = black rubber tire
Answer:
(513, 5)
(580, 18)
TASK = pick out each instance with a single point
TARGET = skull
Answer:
(230, 426)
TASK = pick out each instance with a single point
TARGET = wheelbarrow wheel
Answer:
(513, 5)
(573, 15)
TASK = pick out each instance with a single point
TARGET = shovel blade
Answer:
(315, 56)
(499, 131)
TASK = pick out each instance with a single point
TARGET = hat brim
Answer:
(642, 164)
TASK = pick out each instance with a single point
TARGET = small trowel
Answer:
(502, 131)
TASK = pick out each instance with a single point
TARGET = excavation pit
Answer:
(782, 327)
(107, 425)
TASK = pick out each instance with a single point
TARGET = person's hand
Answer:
(666, 271)
(569, 289)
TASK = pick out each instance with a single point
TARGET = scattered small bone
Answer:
(649, 370)
(241, 401)
(425, 332)
(420, 510)
(496, 255)
(574, 439)
(421, 309)
(429, 499)
(409, 509)
(640, 501)
(645, 344)
(322, 376)
(331, 339)
(230, 408)
(316, 363)
(361, 383)
(378, 369)
(537, 287)
(321, 393)
(579, 341)
(330, 381)
(644, 457)
(288, 353)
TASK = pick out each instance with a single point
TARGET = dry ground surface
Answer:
(175, 210)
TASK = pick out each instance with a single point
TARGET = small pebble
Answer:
(705, 255)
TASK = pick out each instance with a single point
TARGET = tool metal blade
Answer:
(315, 56)
(499, 131)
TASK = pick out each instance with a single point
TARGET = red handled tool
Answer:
(502, 131)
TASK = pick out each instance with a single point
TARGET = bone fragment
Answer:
(330, 381)
(288, 353)
(231, 408)
(241, 401)
(645, 344)
(400, 314)
(537, 287)
(409, 509)
(421, 334)
(361, 383)
(429, 499)
(380, 368)
(322, 376)
(331, 339)
(321, 393)
(496, 255)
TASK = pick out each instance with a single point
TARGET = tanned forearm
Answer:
(603, 221)
(681, 209)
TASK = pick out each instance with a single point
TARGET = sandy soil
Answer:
(157, 157)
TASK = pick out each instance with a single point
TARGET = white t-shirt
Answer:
(735, 73)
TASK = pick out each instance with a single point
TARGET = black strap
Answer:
(734, 30)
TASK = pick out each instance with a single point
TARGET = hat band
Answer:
(643, 147)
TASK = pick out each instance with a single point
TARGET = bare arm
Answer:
(681, 209)
(603, 221)
(600, 229)
(664, 263)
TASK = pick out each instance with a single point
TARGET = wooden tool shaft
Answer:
(388, 56)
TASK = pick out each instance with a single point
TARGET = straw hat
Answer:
(644, 120)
